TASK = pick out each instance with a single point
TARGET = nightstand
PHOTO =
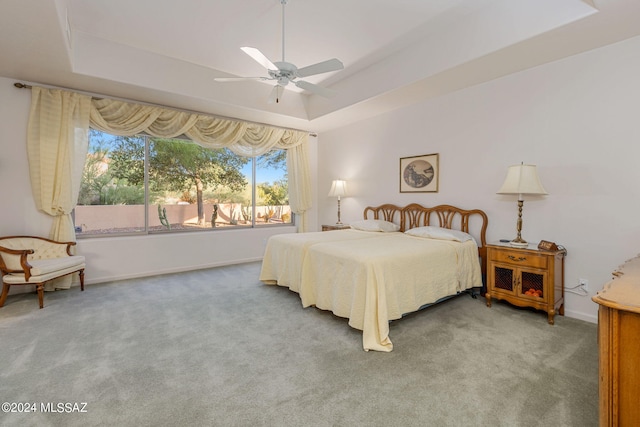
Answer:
(526, 277)
(335, 227)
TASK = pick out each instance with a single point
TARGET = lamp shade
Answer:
(522, 179)
(338, 188)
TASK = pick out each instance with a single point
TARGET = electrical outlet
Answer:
(585, 284)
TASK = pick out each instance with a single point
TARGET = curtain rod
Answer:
(26, 86)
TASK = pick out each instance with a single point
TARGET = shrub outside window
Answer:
(143, 184)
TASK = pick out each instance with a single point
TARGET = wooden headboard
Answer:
(391, 213)
(473, 221)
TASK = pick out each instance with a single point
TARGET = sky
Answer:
(269, 175)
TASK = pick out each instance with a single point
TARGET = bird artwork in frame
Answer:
(419, 174)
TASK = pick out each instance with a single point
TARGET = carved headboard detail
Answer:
(387, 212)
(473, 221)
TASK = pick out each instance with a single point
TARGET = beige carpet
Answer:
(218, 348)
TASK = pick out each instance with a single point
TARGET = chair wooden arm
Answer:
(69, 244)
(26, 267)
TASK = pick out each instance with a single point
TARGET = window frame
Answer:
(147, 193)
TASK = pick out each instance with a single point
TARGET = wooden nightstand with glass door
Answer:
(526, 277)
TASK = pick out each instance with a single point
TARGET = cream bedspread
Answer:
(285, 253)
(370, 278)
(373, 281)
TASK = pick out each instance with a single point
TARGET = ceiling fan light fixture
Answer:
(284, 72)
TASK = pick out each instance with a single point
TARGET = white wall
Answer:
(577, 119)
(18, 214)
(111, 258)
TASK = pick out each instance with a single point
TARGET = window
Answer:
(143, 184)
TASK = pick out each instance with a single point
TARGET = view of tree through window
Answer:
(143, 184)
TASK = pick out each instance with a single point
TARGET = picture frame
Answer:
(419, 174)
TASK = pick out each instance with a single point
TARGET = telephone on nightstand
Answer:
(550, 246)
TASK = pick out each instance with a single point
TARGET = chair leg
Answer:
(81, 279)
(5, 292)
(40, 289)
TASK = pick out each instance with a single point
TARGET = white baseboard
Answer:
(581, 316)
(22, 289)
(89, 280)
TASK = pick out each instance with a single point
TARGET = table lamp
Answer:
(521, 180)
(338, 188)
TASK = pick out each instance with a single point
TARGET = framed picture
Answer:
(419, 174)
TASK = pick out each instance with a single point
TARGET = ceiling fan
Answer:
(285, 72)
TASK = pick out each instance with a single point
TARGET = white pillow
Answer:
(440, 233)
(375, 225)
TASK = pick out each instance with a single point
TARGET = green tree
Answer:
(99, 186)
(275, 194)
(179, 166)
(276, 159)
(95, 175)
(127, 159)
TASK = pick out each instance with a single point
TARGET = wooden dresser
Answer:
(619, 347)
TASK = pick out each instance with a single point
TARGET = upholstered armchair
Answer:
(28, 260)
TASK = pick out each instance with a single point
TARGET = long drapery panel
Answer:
(57, 143)
(299, 184)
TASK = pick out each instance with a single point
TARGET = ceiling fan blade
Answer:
(259, 57)
(274, 96)
(321, 67)
(239, 79)
(318, 90)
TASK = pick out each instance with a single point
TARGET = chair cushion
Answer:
(18, 278)
(46, 269)
(40, 267)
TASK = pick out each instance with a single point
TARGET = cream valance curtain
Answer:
(58, 140)
(243, 138)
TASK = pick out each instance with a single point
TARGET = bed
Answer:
(395, 261)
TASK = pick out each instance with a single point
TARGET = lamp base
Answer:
(339, 222)
(519, 243)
